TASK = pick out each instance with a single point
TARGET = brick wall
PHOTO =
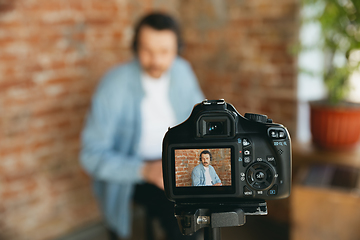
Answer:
(52, 54)
(186, 160)
(241, 51)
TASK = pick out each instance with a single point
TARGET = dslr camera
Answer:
(219, 156)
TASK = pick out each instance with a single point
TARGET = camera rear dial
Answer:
(260, 176)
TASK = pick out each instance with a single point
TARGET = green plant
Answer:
(340, 34)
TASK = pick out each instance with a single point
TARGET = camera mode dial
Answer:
(260, 176)
(257, 118)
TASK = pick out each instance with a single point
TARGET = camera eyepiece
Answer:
(215, 128)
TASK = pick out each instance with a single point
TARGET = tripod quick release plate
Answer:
(192, 217)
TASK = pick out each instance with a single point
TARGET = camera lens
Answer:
(215, 128)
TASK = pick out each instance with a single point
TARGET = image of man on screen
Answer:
(204, 174)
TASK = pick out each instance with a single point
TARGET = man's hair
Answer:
(206, 152)
(158, 21)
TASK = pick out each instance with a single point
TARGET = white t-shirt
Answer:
(208, 180)
(157, 115)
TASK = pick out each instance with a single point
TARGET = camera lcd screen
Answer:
(209, 167)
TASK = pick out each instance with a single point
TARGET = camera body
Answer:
(219, 156)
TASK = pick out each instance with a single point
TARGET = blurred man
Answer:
(204, 174)
(131, 110)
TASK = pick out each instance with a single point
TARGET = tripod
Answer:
(213, 216)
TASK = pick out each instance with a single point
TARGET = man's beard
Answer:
(154, 71)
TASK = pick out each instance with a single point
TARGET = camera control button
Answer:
(273, 190)
(277, 133)
(247, 160)
(247, 191)
(271, 159)
(257, 185)
(249, 177)
(245, 142)
(281, 134)
(247, 152)
(260, 176)
(274, 134)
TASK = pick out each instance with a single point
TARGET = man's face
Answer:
(205, 159)
(156, 50)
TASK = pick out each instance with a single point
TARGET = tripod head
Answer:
(192, 217)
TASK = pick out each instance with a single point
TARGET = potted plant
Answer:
(335, 122)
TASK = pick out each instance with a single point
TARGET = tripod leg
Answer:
(212, 233)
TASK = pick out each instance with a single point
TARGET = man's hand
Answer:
(152, 173)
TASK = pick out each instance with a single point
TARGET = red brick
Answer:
(51, 63)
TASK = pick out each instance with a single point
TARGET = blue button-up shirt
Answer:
(198, 175)
(111, 136)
